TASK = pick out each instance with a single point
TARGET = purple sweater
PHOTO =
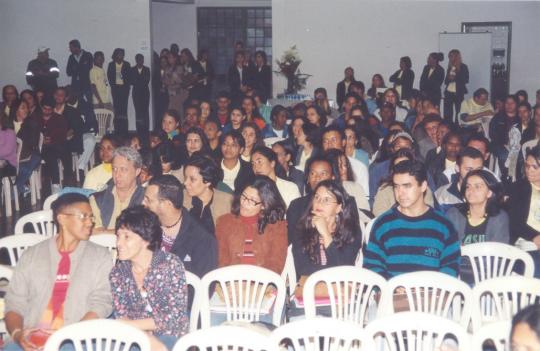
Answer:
(8, 146)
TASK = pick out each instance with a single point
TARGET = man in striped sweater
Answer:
(412, 236)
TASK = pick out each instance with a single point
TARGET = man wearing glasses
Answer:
(182, 233)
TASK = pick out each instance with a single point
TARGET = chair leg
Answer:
(7, 196)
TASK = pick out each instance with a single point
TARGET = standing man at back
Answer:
(78, 68)
(412, 236)
(42, 72)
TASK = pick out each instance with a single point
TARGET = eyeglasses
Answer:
(324, 200)
(249, 200)
(81, 216)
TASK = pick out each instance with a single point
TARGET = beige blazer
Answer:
(221, 203)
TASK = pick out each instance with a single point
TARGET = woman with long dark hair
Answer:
(432, 78)
(480, 218)
(317, 116)
(253, 138)
(264, 162)
(254, 232)
(329, 233)
(252, 112)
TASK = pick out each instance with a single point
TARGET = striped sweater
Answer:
(401, 244)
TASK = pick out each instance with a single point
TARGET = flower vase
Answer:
(290, 86)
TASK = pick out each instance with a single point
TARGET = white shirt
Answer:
(229, 175)
(361, 174)
(288, 190)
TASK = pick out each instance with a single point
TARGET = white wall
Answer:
(98, 24)
(177, 23)
(371, 35)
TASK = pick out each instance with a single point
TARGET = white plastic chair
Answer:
(224, 337)
(41, 221)
(366, 233)
(16, 244)
(289, 271)
(9, 189)
(35, 178)
(107, 240)
(501, 298)
(99, 334)
(351, 292)
(414, 331)
(49, 200)
(104, 118)
(319, 334)
(433, 292)
(244, 288)
(491, 260)
(5, 275)
(497, 333)
(195, 283)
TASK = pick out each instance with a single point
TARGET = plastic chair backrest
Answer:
(289, 271)
(497, 334)
(434, 293)
(230, 338)
(99, 334)
(16, 244)
(42, 223)
(501, 298)
(414, 331)
(49, 200)
(319, 334)
(491, 260)
(195, 283)
(104, 118)
(352, 293)
(244, 288)
(107, 240)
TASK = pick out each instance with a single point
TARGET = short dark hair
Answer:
(142, 222)
(113, 139)
(173, 113)
(481, 138)
(166, 153)
(277, 110)
(64, 201)
(431, 117)
(99, 54)
(195, 107)
(469, 152)
(321, 158)
(150, 162)
(236, 136)
(75, 43)
(169, 189)
(534, 152)
(412, 168)
(334, 128)
(359, 84)
(353, 95)
(312, 132)
(223, 94)
(273, 206)
(209, 170)
(479, 92)
(526, 105)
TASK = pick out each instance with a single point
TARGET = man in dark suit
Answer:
(182, 234)
(343, 86)
(240, 77)
(78, 68)
(140, 78)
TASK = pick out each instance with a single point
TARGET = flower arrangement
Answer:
(288, 67)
